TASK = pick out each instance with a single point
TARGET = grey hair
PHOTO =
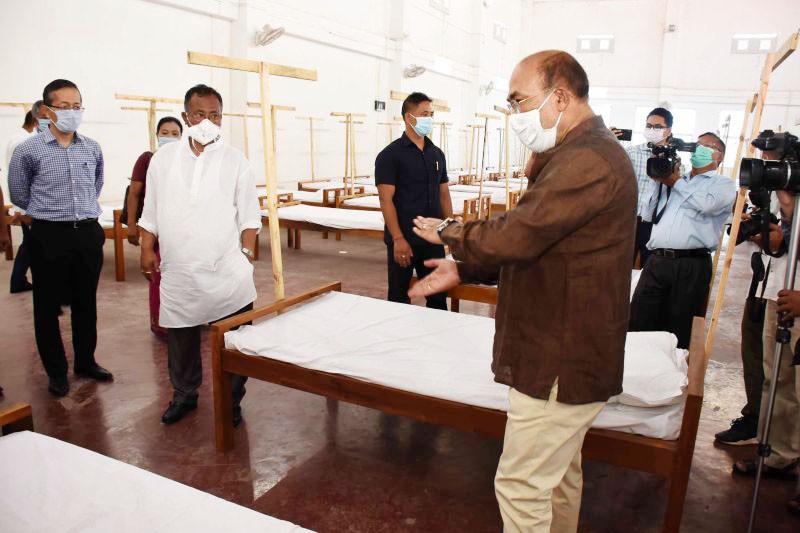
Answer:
(35, 108)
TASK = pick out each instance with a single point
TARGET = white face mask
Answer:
(654, 135)
(529, 129)
(204, 133)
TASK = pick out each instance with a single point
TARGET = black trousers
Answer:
(643, 231)
(65, 262)
(670, 293)
(22, 262)
(400, 277)
(753, 356)
(186, 364)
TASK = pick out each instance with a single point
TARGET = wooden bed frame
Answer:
(470, 212)
(114, 233)
(671, 460)
(16, 417)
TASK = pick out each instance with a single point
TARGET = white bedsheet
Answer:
(498, 195)
(300, 196)
(324, 185)
(50, 485)
(372, 202)
(332, 217)
(106, 218)
(425, 351)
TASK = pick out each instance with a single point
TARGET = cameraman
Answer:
(785, 432)
(658, 130)
(767, 280)
(688, 213)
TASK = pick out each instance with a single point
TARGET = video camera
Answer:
(665, 157)
(783, 174)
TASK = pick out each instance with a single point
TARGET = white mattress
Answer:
(331, 217)
(425, 351)
(106, 218)
(324, 185)
(498, 195)
(373, 202)
(300, 196)
(50, 485)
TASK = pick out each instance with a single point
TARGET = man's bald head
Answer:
(555, 68)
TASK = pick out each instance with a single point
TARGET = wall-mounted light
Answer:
(603, 43)
(268, 34)
(754, 43)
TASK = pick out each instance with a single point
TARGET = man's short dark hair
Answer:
(28, 119)
(200, 90)
(561, 68)
(413, 100)
(717, 137)
(663, 113)
(54, 86)
(35, 108)
(165, 120)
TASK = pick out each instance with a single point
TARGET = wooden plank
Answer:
(275, 107)
(438, 104)
(786, 49)
(249, 65)
(344, 114)
(140, 98)
(16, 417)
(135, 108)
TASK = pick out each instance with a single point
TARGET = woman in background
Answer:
(169, 130)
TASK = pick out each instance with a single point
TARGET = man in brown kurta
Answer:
(562, 259)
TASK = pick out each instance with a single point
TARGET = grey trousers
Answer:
(186, 365)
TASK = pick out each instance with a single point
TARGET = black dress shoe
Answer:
(27, 286)
(237, 416)
(96, 372)
(58, 387)
(176, 411)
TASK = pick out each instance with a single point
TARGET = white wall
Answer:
(360, 48)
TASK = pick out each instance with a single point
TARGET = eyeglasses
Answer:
(657, 127)
(199, 116)
(515, 105)
(66, 107)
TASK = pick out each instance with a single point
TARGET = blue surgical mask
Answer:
(166, 140)
(44, 123)
(424, 126)
(68, 119)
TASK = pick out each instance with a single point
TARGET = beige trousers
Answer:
(539, 479)
(784, 433)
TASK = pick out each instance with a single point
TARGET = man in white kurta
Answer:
(202, 206)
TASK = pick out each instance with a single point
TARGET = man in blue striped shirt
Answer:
(56, 177)
(688, 213)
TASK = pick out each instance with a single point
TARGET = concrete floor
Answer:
(338, 467)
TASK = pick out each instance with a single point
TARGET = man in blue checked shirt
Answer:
(56, 177)
(687, 213)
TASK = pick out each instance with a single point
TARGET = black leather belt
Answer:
(677, 254)
(67, 223)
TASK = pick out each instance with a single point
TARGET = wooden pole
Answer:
(245, 129)
(506, 143)
(150, 109)
(311, 120)
(770, 64)
(264, 70)
(486, 118)
(349, 157)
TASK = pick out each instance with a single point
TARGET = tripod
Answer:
(782, 338)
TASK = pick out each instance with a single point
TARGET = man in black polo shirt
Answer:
(411, 176)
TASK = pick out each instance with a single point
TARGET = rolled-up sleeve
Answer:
(248, 212)
(149, 219)
(99, 173)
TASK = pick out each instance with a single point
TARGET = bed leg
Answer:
(338, 236)
(223, 405)
(289, 238)
(454, 304)
(324, 234)
(255, 250)
(119, 249)
(681, 467)
(10, 248)
(297, 239)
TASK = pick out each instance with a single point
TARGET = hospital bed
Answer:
(112, 228)
(51, 485)
(367, 352)
(465, 205)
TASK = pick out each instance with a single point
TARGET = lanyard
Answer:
(656, 214)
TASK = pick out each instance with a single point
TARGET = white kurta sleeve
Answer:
(248, 212)
(149, 220)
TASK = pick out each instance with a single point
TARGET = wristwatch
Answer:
(443, 224)
(248, 252)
